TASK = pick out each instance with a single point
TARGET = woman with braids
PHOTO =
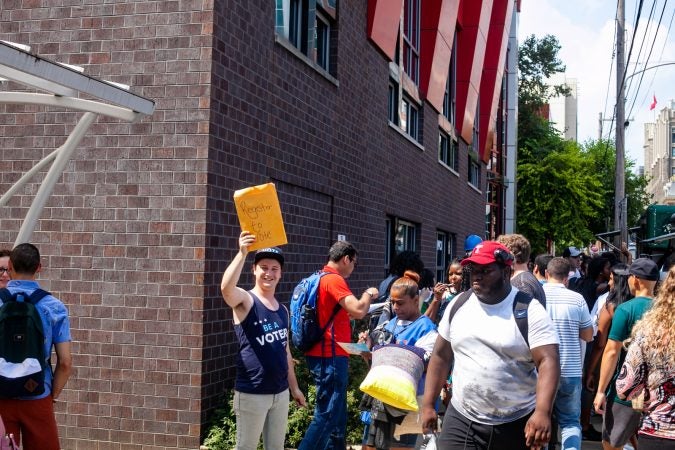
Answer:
(649, 370)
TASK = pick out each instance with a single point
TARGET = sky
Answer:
(585, 30)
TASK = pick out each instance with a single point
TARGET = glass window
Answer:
(322, 41)
(672, 151)
(474, 172)
(393, 103)
(450, 99)
(447, 151)
(409, 118)
(401, 235)
(405, 237)
(411, 39)
(309, 27)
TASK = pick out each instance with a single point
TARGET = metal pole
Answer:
(55, 171)
(620, 213)
(599, 126)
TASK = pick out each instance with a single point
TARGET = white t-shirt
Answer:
(494, 377)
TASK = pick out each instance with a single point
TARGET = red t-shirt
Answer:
(331, 290)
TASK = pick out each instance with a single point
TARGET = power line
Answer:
(658, 25)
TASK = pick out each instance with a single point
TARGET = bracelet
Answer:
(370, 293)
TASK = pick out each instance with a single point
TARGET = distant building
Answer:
(659, 151)
(563, 109)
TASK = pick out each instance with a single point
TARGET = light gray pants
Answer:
(265, 414)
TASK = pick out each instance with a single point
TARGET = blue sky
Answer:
(585, 30)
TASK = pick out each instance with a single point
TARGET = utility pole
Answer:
(620, 202)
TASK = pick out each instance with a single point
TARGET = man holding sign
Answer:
(264, 363)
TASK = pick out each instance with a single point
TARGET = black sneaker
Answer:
(591, 434)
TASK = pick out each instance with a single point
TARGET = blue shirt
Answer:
(262, 364)
(55, 324)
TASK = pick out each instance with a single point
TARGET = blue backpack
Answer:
(22, 344)
(306, 331)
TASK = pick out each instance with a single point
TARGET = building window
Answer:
(448, 151)
(401, 235)
(474, 172)
(409, 118)
(450, 97)
(672, 171)
(393, 103)
(672, 151)
(411, 39)
(445, 252)
(322, 41)
(309, 25)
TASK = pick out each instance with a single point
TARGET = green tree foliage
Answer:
(537, 61)
(565, 191)
(557, 195)
(603, 156)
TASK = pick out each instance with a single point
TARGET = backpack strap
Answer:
(457, 303)
(5, 295)
(37, 295)
(520, 304)
(336, 310)
(34, 298)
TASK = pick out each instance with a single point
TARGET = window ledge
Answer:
(450, 169)
(285, 43)
(474, 187)
(405, 135)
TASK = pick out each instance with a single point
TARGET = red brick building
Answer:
(382, 121)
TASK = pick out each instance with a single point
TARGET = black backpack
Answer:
(520, 304)
(21, 345)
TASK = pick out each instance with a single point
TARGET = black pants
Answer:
(646, 442)
(460, 433)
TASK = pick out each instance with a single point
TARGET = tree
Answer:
(603, 156)
(558, 194)
(538, 61)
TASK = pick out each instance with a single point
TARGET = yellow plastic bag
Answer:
(259, 212)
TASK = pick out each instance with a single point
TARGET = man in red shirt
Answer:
(327, 361)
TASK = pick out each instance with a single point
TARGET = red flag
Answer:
(653, 104)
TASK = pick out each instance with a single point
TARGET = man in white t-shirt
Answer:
(571, 319)
(503, 386)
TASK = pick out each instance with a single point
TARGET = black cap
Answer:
(645, 269)
(271, 253)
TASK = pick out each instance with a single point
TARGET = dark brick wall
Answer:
(142, 224)
(123, 236)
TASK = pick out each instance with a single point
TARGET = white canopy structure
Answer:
(63, 85)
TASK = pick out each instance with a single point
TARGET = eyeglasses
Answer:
(4, 270)
(354, 260)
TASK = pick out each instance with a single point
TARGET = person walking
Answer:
(649, 370)
(265, 369)
(31, 419)
(572, 321)
(327, 361)
(620, 420)
(503, 386)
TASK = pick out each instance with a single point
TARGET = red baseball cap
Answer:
(488, 252)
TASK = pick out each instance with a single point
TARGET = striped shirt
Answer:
(569, 314)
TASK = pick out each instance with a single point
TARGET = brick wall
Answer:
(142, 224)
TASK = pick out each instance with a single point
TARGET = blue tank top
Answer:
(262, 367)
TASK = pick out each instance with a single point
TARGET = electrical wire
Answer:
(648, 57)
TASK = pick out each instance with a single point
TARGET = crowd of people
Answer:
(517, 349)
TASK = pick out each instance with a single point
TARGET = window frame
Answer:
(411, 39)
(448, 154)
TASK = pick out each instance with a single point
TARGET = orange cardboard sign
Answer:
(260, 213)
